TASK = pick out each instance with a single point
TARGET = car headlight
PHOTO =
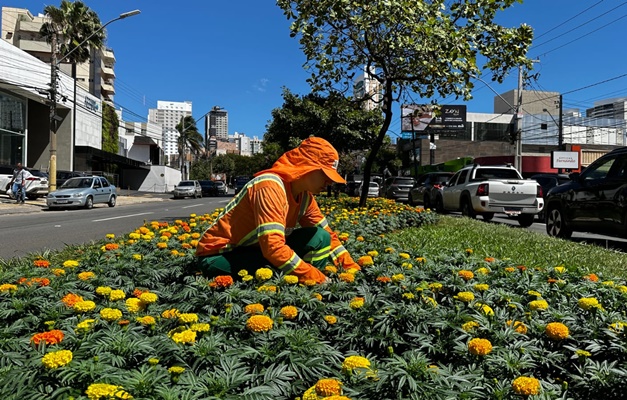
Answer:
(79, 194)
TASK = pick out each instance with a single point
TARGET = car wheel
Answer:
(487, 216)
(31, 197)
(89, 202)
(556, 224)
(467, 210)
(112, 201)
(439, 205)
(525, 220)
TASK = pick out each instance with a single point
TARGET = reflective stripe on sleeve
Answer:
(290, 265)
(263, 229)
(322, 223)
(335, 254)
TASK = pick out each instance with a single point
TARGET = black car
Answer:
(63, 176)
(209, 188)
(422, 192)
(592, 201)
(548, 181)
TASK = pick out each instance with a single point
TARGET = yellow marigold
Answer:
(289, 312)
(137, 257)
(560, 269)
(588, 303)
(608, 283)
(404, 255)
(110, 314)
(466, 297)
(330, 319)
(485, 309)
(618, 326)
(83, 276)
(365, 261)
(583, 353)
(352, 362)
(259, 323)
(330, 269)
(290, 279)
(70, 264)
(171, 313)
(398, 278)
(148, 298)
(420, 260)
(134, 236)
(346, 277)
(263, 274)
(435, 287)
(526, 386)
(481, 287)
(162, 245)
(466, 274)
(134, 305)
(84, 306)
(56, 359)
(360, 238)
(254, 308)
(430, 301)
(267, 288)
(510, 269)
(6, 287)
(357, 302)
(104, 391)
(482, 271)
(247, 278)
(153, 361)
(176, 370)
(538, 305)
(556, 331)
(188, 318)
(58, 271)
(85, 325)
(328, 387)
(389, 250)
(103, 290)
(186, 336)
(534, 293)
(518, 326)
(373, 253)
(479, 347)
(409, 296)
(470, 325)
(242, 272)
(146, 320)
(200, 327)
(622, 288)
(117, 294)
(317, 296)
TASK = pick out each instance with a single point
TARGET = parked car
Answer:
(373, 189)
(208, 188)
(187, 189)
(222, 188)
(83, 192)
(422, 192)
(548, 181)
(240, 182)
(63, 176)
(397, 188)
(593, 201)
(36, 183)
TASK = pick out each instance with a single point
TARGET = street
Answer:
(37, 231)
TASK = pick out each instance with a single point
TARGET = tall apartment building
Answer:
(609, 108)
(367, 87)
(217, 124)
(168, 114)
(533, 102)
(21, 29)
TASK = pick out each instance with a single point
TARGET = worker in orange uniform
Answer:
(275, 220)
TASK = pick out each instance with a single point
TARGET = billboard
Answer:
(429, 117)
(565, 159)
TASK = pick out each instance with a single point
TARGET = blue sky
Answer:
(238, 55)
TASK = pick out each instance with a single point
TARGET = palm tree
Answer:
(69, 26)
(188, 137)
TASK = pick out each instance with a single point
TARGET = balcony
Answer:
(107, 71)
(107, 89)
(34, 46)
(108, 56)
(28, 26)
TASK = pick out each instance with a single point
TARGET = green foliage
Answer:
(110, 124)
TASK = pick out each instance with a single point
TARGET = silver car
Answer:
(187, 189)
(83, 192)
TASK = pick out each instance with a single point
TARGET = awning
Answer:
(100, 156)
(144, 140)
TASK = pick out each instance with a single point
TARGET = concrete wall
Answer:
(160, 179)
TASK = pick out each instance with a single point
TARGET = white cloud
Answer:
(260, 86)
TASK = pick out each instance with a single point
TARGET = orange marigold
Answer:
(41, 263)
(384, 279)
(526, 386)
(591, 277)
(466, 275)
(346, 277)
(556, 331)
(254, 308)
(259, 323)
(365, 261)
(328, 387)
(518, 326)
(70, 299)
(479, 347)
(289, 312)
(50, 337)
(490, 259)
(222, 281)
(111, 246)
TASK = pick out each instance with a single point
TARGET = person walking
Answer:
(275, 220)
(18, 183)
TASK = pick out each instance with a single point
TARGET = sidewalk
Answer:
(125, 197)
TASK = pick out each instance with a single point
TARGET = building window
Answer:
(12, 129)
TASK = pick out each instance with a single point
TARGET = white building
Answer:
(242, 143)
(609, 108)
(167, 115)
(368, 88)
(256, 145)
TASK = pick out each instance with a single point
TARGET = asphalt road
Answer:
(35, 232)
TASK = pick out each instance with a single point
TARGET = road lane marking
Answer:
(121, 216)
(195, 205)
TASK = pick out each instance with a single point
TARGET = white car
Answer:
(36, 183)
(187, 189)
(373, 189)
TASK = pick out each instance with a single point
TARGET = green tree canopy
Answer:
(428, 47)
(189, 137)
(342, 122)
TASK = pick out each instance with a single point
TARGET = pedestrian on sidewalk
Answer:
(275, 220)
(18, 183)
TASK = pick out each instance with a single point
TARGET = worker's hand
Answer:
(351, 265)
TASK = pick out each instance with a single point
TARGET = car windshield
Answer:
(409, 181)
(75, 183)
(495, 173)
(186, 183)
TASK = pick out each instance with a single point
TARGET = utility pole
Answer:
(52, 169)
(518, 134)
(413, 144)
(560, 130)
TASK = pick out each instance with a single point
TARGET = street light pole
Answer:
(54, 78)
(560, 128)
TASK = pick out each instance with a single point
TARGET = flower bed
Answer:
(123, 319)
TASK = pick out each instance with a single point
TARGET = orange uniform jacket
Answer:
(262, 214)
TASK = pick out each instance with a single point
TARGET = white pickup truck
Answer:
(485, 190)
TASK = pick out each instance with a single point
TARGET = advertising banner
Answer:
(565, 159)
(428, 117)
